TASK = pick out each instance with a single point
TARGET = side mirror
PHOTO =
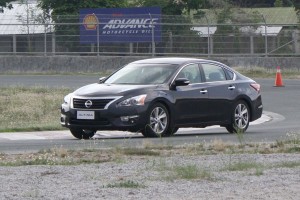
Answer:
(102, 79)
(180, 82)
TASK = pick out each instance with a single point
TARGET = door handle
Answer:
(232, 87)
(203, 91)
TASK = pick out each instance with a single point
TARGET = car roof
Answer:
(181, 61)
(168, 60)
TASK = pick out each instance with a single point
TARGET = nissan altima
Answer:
(160, 95)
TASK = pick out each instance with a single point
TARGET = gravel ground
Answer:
(153, 177)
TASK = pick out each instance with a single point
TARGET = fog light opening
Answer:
(131, 119)
(62, 118)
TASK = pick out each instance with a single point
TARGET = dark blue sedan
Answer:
(157, 96)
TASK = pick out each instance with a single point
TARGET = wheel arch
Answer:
(169, 107)
(247, 100)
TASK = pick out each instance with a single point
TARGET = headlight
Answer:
(67, 99)
(134, 101)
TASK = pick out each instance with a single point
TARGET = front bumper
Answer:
(131, 118)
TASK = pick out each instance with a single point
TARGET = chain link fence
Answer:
(184, 36)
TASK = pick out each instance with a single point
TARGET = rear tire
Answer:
(240, 118)
(158, 122)
(82, 133)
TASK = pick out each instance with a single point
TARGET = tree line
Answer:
(169, 7)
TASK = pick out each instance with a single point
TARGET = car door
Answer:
(221, 91)
(191, 100)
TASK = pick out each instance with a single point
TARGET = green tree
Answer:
(72, 7)
(6, 3)
(296, 4)
(171, 7)
(259, 3)
(278, 3)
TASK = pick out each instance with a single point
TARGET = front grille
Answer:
(96, 103)
(99, 122)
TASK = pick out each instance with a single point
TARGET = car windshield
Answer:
(143, 74)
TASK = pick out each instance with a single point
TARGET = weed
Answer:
(243, 166)
(293, 149)
(56, 156)
(140, 152)
(290, 144)
(126, 184)
(47, 173)
(259, 171)
(292, 138)
(288, 165)
(198, 148)
(137, 151)
(240, 136)
(191, 172)
(219, 145)
(148, 144)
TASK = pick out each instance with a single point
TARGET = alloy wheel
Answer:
(158, 120)
(241, 116)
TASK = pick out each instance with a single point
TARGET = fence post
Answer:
(211, 42)
(266, 37)
(153, 42)
(171, 41)
(14, 43)
(295, 37)
(53, 43)
(130, 48)
(45, 40)
(98, 35)
(208, 37)
(251, 45)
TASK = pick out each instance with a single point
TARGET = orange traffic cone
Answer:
(278, 79)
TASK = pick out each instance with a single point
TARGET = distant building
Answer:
(22, 28)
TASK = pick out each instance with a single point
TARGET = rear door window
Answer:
(213, 73)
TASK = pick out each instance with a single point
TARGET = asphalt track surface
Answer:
(281, 117)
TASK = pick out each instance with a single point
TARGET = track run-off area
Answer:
(280, 117)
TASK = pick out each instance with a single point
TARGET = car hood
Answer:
(98, 90)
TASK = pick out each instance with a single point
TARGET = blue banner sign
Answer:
(120, 25)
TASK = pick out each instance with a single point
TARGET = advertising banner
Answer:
(120, 25)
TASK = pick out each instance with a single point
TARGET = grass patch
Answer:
(192, 172)
(126, 184)
(56, 156)
(137, 152)
(30, 109)
(290, 144)
(172, 172)
(288, 165)
(244, 166)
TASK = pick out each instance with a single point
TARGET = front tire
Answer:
(82, 133)
(240, 118)
(158, 122)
